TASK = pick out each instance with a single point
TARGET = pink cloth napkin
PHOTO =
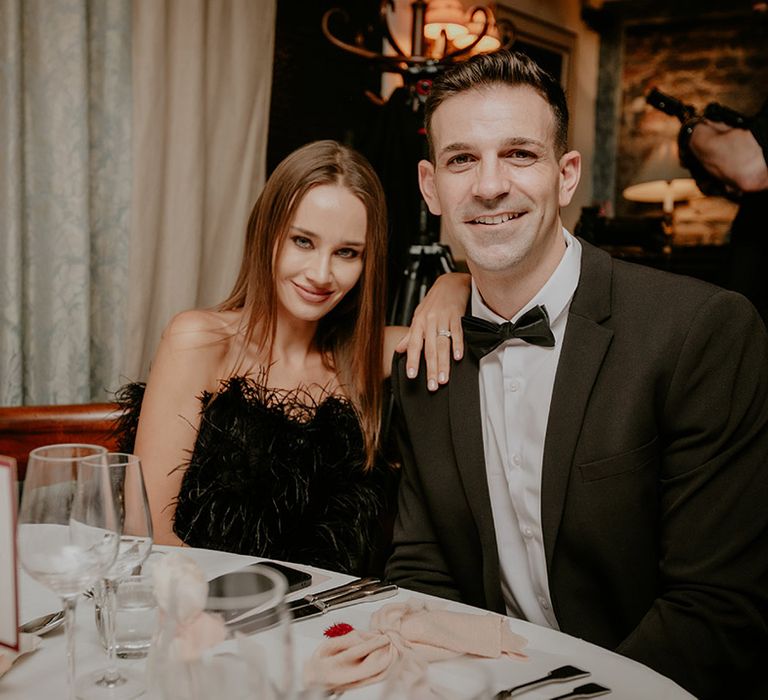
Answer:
(408, 636)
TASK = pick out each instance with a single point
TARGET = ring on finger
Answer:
(444, 332)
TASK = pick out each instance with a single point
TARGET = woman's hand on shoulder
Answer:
(436, 329)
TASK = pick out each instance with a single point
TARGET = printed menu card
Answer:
(9, 599)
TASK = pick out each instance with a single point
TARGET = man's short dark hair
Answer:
(504, 68)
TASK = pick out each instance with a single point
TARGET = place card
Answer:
(9, 594)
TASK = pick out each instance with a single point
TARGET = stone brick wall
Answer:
(716, 58)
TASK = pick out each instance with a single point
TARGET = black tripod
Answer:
(427, 257)
(426, 261)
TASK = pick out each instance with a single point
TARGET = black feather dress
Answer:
(275, 474)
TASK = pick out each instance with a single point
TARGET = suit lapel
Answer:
(584, 347)
(467, 433)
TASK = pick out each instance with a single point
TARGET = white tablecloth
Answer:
(41, 675)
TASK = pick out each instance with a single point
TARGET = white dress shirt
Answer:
(516, 382)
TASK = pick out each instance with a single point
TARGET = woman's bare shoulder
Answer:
(194, 351)
(205, 330)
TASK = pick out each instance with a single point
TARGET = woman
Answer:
(271, 403)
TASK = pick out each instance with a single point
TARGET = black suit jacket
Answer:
(654, 491)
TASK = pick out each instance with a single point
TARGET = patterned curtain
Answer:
(65, 181)
(202, 79)
(132, 146)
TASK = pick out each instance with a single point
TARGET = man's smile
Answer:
(495, 219)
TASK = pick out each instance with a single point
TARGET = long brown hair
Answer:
(350, 337)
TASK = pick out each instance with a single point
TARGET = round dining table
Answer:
(41, 674)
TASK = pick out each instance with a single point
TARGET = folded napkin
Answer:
(181, 592)
(185, 660)
(27, 643)
(407, 636)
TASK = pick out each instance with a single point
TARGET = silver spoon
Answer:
(43, 624)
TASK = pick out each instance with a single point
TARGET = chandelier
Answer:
(442, 32)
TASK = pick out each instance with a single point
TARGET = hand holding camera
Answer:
(717, 117)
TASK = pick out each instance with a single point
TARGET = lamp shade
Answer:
(444, 16)
(662, 179)
(491, 40)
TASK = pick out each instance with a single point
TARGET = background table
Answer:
(41, 674)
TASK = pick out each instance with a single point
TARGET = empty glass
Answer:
(135, 618)
(68, 530)
(130, 496)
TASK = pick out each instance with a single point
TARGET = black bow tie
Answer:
(484, 336)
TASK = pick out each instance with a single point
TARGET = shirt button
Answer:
(514, 386)
(516, 460)
(543, 602)
(528, 532)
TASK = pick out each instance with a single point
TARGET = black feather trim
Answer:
(128, 398)
(276, 474)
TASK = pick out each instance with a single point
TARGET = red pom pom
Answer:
(338, 630)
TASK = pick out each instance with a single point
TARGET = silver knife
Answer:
(333, 592)
(374, 591)
(238, 616)
(266, 620)
(588, 690)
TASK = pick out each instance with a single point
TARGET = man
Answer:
(738, 158)
(610, 477)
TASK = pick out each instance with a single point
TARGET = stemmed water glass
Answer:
(255, 658)
(133, 513)
(68, 531)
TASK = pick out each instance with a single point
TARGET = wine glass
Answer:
(133, 514)
(255, 658)
(68, 532)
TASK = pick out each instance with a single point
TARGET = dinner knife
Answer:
(558, 675)
(374, 591)
(588, 690)
(238, 616)
(333, 592)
